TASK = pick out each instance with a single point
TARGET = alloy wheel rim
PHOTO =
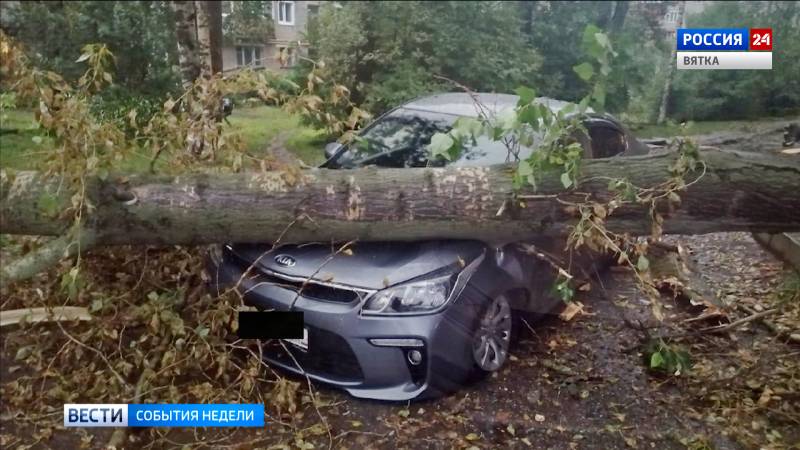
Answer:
(493, 337)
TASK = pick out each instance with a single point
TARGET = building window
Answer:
(286, 13)
(248, 56)
(671, 17)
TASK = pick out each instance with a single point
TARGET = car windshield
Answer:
(400, 140)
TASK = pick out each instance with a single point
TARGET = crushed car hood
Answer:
(372, 265)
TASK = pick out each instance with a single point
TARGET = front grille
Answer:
(328, 356)
(310, 289)
(306, 287)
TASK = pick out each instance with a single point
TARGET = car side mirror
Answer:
(332, 148)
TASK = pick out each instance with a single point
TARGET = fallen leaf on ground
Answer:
(571, 311)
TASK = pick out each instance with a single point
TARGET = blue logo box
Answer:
(712, 39)
(163, 415)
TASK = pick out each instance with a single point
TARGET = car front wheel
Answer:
(492, 338)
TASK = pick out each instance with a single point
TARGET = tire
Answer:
(494, 335)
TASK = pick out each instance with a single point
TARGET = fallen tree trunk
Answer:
(738, 192)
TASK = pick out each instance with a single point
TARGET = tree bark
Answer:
(188, 46)
(738, 192)
(618, 18)
(203, 36)
(672, 67)
(214, 9)
(44, 257)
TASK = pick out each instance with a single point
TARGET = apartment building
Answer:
(278, 43)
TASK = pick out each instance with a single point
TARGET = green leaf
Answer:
(584, 71)
(566, 180)
(589, 34)
(71, 281)
(467, 127)
(642, 263)
(565, 291)
(599, 94)
(530, 116)
(590, 43)
(440, 145)
(602, 39)
(656, 360)
(584, 104)
(202, 331)
(507, 119)
(524, 168)
(526, 95)
(568, 109)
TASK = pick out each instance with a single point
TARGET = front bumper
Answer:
(340, 352)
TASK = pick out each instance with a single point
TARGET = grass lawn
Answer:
(258, 126)
(21, 148)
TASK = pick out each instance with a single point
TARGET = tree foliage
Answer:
(638, 40)
(248, 22)
(140, 31)
(744, 94)
(389, 52)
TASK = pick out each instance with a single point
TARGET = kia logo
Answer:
(285, 260)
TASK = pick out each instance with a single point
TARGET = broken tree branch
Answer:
(771, 326)
(740, 322)
(45, 256)
(32, 315)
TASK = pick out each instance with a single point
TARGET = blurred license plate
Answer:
(302, 343)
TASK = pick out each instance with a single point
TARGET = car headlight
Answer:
(421, 296)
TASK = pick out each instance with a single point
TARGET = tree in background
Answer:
(199, 35)
(141, 33)
(190, 52)
(671, 67)
(390, 52)
(743, 94)
(636, 34)
(247, 22)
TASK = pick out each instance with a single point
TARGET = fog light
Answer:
(414, 357)
(397, 342)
